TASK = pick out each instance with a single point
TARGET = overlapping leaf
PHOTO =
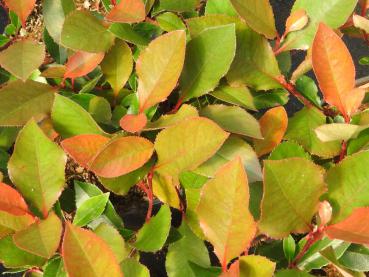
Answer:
(22, 8)
(127, 11)
(82, 63)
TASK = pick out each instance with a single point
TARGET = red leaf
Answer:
(82, 63)
(128, 11)
(11, 201)
(335, 71)
(22, 8)
(354, 229)
(133, 123)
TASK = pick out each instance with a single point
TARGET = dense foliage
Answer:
(181, 103)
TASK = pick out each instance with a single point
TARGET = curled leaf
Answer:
(296, 21)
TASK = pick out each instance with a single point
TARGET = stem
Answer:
(150, 195)
(177, 106)
(343, 151)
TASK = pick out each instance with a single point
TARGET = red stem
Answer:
(177, 106)
(114, 2)
(292, 89)
(150, 195)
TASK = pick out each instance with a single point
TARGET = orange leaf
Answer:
(109, 158)
(273, 126)
(128, 11)
(22, 8)
(296, 21)
(133, 123)
(335, 71)
(86, 254)
(11, 201)
(82, 63)
(354, 229)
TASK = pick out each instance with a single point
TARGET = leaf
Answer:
(169, 21)
(90, 209)
(224, 212)
(10, 223)
(179, 6)
(165, 190)
(361, 23)
(131, 267)
(220, 7)
(347, 185)
(332, 62)
(54, 13)
(13, 257)
(292, 273)
(112, 237)
(22, 58)
(273, 125)
(42, 238)
(301, 129)
(317, 13)
(289, 248)
(356, 258)
(197, 25)
(12, 201)
(338, 131)
(82, 63)
(37, 167)
(232, 148)
(233, 119)
(188, 249)
(84, 32)
(255, 64)
(296, 21)
(117, 65)
(133, 123)
(109, 158)
(284, 208)
(187, 145)
(86, 254)
(158, 225)
(256, 266)
(70, 119)
(288, 149)
(126, 32)
(159, 67)
(22, 8)
(258, 14)
(127, 11)
(307, 87)
(206, 63)
(239, 96)
(55, 268)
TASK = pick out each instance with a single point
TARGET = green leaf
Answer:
(42, 238)
(90, 209)
(8, 136)
(37, 167)
(206, 63)
(233, 119)
(224, 213)
(338, 131)
(307, 87)
(59, 53)
(239, 96)
(13, 257)
(100, 110)
(70, 119)
(289, 248)
(232, 148)
(258, 14)
(55, 268)
(19, 102)
(301, 129)
(288, 149)
(292, 273)
(341, 9)
(359, 143)
(178, 6)
(284, 208)
(54, 13)
(187, 145)
(255, 64)
(188, 249)
(220, 7)
(348, 183)
(152, 236)
(131, 267)
(117, 65)
(84, 32)
(22, 58)
(252, 265)
(169, 21)
(196, 25)
(276, 97)
(126, 32)
(356, 258)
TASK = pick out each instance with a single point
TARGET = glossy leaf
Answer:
(127, 11)
(206, 63)
(106, 158)
(90, 209)
(12, 201)
(229, 229)
(233, 119)
(165, 190)
(356, 258)
(159, 67)
(240, 96)
(288, 149)
(10, 223)
(258, 14)
(55, 268)
(37, 167)
(158, 224)
(133, 123)
(273, 125)
(338, 131)
(256, 266)
(22, 8)
(296, 21)
(131, 267)
(42, 238)
(284, 209)
(22, 58)
(332, 62)
(187, 145)
(220, 7)
(82, 63)
(179, 6)
(80, 31)
(170, 22)
(117, 65)
(86, 254)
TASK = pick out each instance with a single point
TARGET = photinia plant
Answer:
(152, 138)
